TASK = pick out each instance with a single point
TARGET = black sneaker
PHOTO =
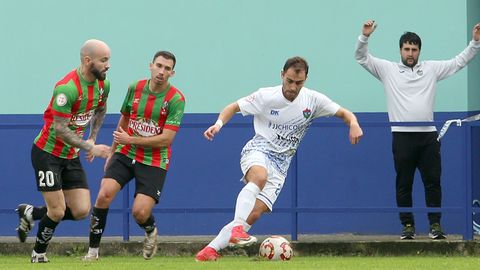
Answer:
(26, 221)
(436, 232)
(408, 232)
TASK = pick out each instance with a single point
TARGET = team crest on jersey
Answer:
(61, 100)
(144, 127)
(250, 98)
(306, 113)
(420, 72)
(100, 96)
(164, 109)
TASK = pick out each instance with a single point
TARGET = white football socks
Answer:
(93, 251)
(245, 203)
(223, 238)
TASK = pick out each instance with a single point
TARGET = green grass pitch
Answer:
(247, 263)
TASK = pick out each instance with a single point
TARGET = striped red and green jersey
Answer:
(149, 114)
(73, 98)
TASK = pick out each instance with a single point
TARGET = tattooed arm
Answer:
(96, 123)
(68, 136)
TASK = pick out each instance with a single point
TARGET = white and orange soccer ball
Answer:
(276, 248)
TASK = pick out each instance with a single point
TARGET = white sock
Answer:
(34, 253)
(223, 238)
(245, 203)
(93, 251)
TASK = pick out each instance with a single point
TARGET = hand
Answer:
(211, 131)
(355, 133)
(121, 136)
(89, 156)
(98, 150)
(368, 27)
(476, 32)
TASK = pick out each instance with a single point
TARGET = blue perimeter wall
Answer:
(336, 187)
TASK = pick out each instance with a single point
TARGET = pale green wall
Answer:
(473, 8)
(226, 48)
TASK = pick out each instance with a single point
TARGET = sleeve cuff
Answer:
(363, 38)
(171, 127)
(475, 44)
(60, 114)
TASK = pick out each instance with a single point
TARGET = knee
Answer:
(104, 199)
(56, 213)
(258, 180)
(257, 175)
(403, 190)
(432, 181)
(261, 183)
(140, 215)
(433, 187)
(82, 212)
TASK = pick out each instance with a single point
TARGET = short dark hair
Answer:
(166, 55)
(412, 38)
(297, 63)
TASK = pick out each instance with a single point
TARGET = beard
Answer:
(405, 62)
(99, 75)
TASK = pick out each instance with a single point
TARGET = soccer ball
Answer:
(276, 248)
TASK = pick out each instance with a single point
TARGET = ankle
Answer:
(93, 251)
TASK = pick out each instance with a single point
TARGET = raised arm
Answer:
(350, 119)
(446, 68)
(376, 66)
(223, 118)
(361, 50)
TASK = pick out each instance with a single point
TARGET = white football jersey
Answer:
(279, 124)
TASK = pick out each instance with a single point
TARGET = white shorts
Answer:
(275, 179)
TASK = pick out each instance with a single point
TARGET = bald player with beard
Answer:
(79, 99)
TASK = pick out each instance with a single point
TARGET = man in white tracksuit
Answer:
(410, 88)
